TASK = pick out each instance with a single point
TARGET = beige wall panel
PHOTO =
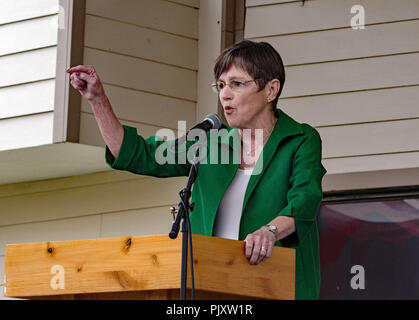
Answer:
(330, 45)
(323, 14)
(90, 200)
(28, 35)
(155, 14)
(2, 297)
(253, 3)
(28, 66)
(26, 99)
(148, 108)
(372, 163)
(358, 87)
(189, 3)
(25, 9)
(90, 133)
(371, 180)
(1, 274)
(141, 42)
(352, 75)
(138, 222)
(143, 75)
(354, 107)
(79, 181)
(371, 138)
(58, 230)
(26, 131)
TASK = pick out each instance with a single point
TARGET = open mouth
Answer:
(228, 109)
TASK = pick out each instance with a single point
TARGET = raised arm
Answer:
(87, 82)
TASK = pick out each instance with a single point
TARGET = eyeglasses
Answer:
(234, 85)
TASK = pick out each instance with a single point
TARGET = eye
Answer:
(221, 85)
(236, 84)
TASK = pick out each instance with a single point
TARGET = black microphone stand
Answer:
(184, 209)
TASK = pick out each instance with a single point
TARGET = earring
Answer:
(268, 100)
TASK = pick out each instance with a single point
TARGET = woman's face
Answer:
(244, 105)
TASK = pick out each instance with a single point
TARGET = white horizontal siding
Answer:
(345, 43)
(147, 108)
(146, 54)
(354, 107)
(141, 42)
(292, 17)
(27, 99)
(359, 88)
(28, 66)
(369, 163)
(90, 134)
(28, 131)
(77, 197)
(156, 14)
(28, 35)
(370, 138)
(189, 3)
(352, 75)
(16, 10)
(59, 230)
(147, 221)
(143, 75)
(254, 3)
(48, 185)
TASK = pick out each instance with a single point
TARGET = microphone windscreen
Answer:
(215, 120)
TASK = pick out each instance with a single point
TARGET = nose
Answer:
(226, 93)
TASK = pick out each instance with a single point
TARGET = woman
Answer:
(278, 204)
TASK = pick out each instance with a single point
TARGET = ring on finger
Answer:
(263, 249)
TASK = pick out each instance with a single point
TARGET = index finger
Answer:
(80, 68)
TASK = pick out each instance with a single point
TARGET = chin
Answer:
(231, 121)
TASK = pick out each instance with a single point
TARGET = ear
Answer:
(273, 87)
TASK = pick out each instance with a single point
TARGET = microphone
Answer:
(211, 121)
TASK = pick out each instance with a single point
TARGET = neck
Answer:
(266, 125)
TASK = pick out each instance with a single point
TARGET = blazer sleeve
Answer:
(146, 156)
(305, 193)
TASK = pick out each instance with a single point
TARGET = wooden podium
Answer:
(144, 267)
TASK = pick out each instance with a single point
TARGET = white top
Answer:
(227, 222)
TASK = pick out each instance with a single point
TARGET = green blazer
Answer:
(288, 184)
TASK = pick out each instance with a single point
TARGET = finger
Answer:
(269, 251)
(77, 87)
(84, 76)
(248, 247)
(256, 252)
(79, 82)
(80, 68)
(263, 251)
(77, 77)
